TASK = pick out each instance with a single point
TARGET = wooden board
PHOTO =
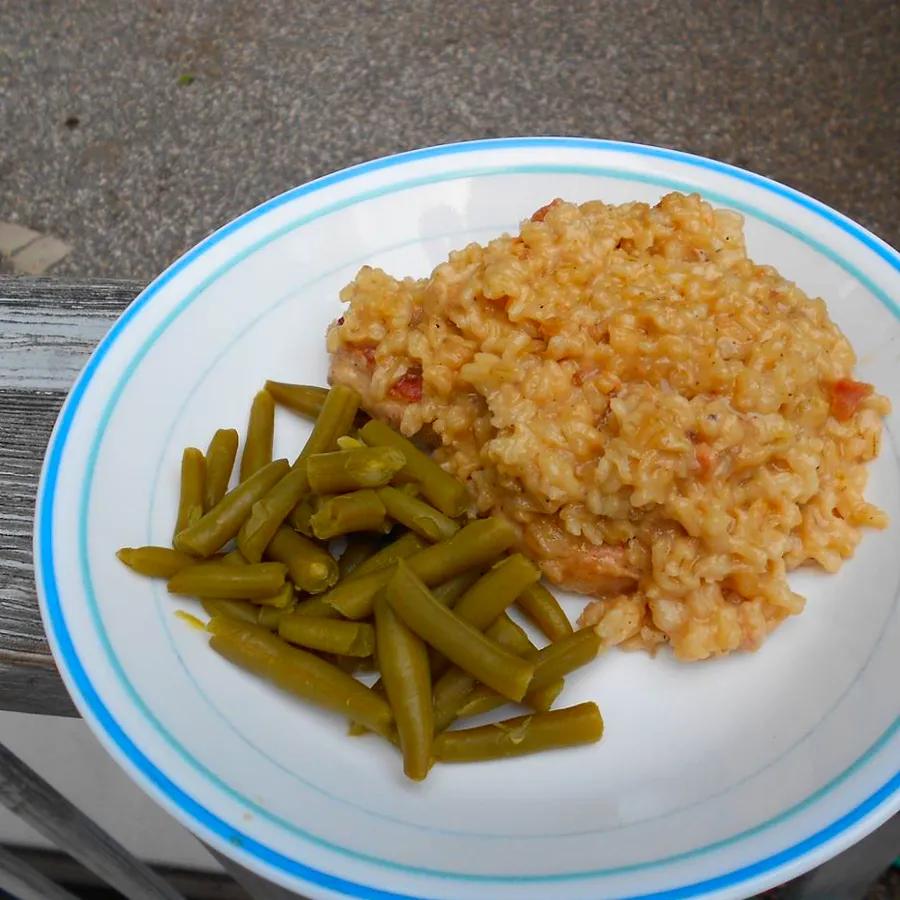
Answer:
(50, 327)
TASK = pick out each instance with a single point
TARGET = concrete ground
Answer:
(129, 129)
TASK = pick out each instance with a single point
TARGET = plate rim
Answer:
(850, 827)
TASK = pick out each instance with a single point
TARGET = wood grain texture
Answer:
(19, 880)
(49, 328)
(38, 803)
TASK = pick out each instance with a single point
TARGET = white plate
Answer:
(715, 779)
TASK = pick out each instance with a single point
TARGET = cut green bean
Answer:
(260, 434)
(235, 609)
(558, 659)
(512, 636)
(315, 606)
(439, 488)
(542, 609)
(478, 543)
(489, 597)
(224, 520)
(193, 482)
(270, 616)
(346, 442)
(346, 513)
(349, 470)
(454, 687)
(334, 420)
(300, 515)
(464, 645)
(301, 398)
(155, 562)
(281, 599)
(403, 660)
(301, 673)
(270, 511)
(482, 699)
(359, 548)
(417, 515)
(311, 567)
(220, 456)
(448, 592)
(327, 634)
(220, 581)
(496, 590)
(402, 548)
(552, 663)
(576, 725)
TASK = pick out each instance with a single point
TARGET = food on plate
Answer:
(193, 484)
(379, 580)
(670, 426)
(260, 433)
(220, 456)
(581, 724)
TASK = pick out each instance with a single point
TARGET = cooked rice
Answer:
(658, 413)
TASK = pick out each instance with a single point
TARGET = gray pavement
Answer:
(129, 130)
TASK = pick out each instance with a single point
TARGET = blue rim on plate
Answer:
(92, 706)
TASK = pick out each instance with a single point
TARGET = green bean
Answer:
(463, 644)
(440, 488)
(235, 609)
(155, 562)
(302, 398)
(543, 610)
(224, 520)
(482, 699)
(220, 455)
(193, 480)
(477, 544)
(270, 511)
(489, 597)
(563, 656)
(448, 592)
(346, 513)
(281, 599)
(449, 695)
(315, 606)
(496, 590)
(551, 663)
(300, 515)
(402, 548)
(512, 636)
(328, 635)
(334, 419)
(403, 660)
(224, 582)
(348, 470)
(270, 616)
(346, 442)
(260, 434)
(581, 724)
(359, 549)
(454, 686)
(417, 515)
(311, 567)
(302, 673)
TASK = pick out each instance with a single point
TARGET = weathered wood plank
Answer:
(62, 869)
(25, 883)
(49, 329)
(51, 326)
(39, 804)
